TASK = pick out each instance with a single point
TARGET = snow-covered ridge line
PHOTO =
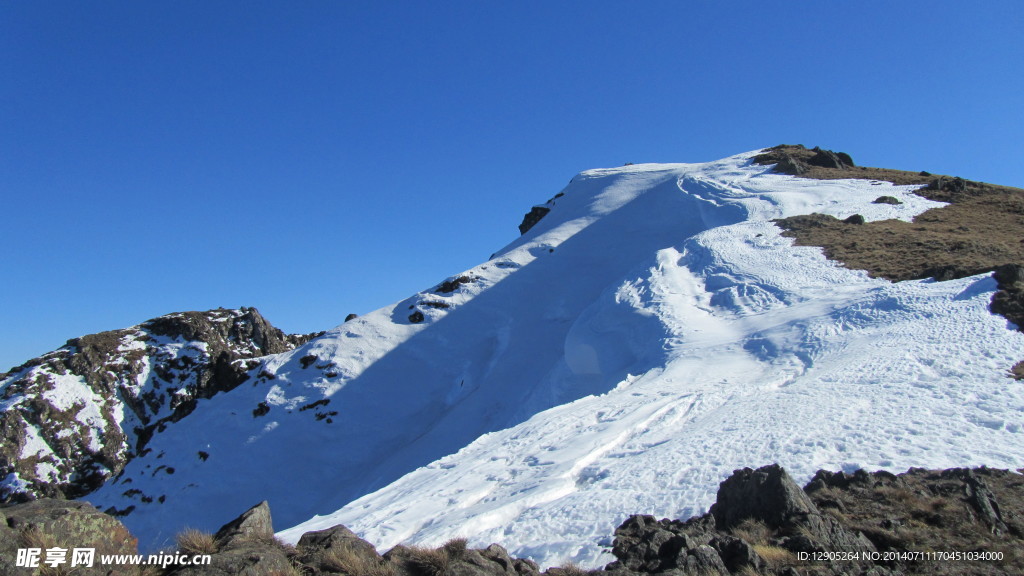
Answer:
(769, 353)
(652, 332)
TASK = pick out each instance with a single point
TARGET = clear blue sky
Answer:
(317, 158)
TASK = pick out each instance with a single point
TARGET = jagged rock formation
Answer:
(73, 417)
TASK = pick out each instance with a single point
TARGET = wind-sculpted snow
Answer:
(650, 334)
(763, 353)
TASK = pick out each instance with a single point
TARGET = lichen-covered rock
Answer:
(254, 524)
(48, 523)
(74, 417)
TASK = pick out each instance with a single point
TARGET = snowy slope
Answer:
(649, 335)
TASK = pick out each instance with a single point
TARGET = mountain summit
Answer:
(652, 330)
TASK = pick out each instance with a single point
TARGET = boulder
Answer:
(254, 524)
(768, 494)
(67, 524)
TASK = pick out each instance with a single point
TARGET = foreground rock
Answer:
(49, 524)
(876, 524)
(76, 416)
(959, 521)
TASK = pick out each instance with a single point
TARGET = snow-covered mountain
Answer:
(652, 331)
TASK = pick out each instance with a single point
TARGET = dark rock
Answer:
(1010, 276)
(830, 159)
(737, 554)
(261, 409)
(767, 494)
(984, 502)
(352, 316)
(955, 185)
(855, 219)
(416, 317)
(703, 561)
(790, 165)
(452, 284)
(532, 217)
(886, 200)
(1008, 301)
(253, 525)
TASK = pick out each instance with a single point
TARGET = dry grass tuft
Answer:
(349, 561)
(570, 569)
(33, 537)
(429, 561)
(755, 532)
(776, 557)
(456, 548)
(196, 542)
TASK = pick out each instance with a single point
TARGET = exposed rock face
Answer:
(254, 523)
(49, 523)
(796, 160)
(532, 217)
(74, 417)
(1009, 300)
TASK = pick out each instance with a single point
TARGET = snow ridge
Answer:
(653, 332)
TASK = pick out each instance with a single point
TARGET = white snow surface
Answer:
(650, 335)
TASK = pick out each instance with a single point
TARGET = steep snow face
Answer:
(650, 334)
(726, 347)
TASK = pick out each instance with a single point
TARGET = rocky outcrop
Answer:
(795, 160)
(76, 416)
(532, 217)
(760, 521)
(247, 545)
(861, 523)
(537, 212)
(1009, 300)
(60, 524)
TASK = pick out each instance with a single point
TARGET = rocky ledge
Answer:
(957, 521)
